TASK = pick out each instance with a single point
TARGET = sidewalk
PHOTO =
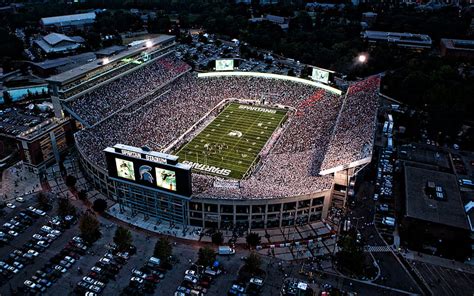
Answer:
(452, 264)
(18, 181)
(153, 225)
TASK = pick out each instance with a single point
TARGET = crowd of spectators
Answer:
(354, 134)
(289, 168)
(109, 98)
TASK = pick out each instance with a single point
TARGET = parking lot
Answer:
(19, 119)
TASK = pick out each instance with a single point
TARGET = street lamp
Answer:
(362, 58)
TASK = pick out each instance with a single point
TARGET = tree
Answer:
(253, 239)
(65, 207)
(206, 256)
(252, 263)
(163, 250)
(43, 200)
(162, 24)
(100, 205)
(82, 195)
(123, 238)
(350, 255)
(70, 181)
(217, 238)
(90, 228)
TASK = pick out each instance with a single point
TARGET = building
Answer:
(55, 66)
(416, 42)
(56, 43)
(457, 48)
(65, 23)
(44, 143)
(275, 19)
(434, 218)
(368, 19)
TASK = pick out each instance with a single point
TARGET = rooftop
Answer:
(69, 61)
(57, 20)
(79, 71)
(458, 44)
(448, 211)
(425, 154)
(397, 37)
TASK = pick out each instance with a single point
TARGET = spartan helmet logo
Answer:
(145, 173)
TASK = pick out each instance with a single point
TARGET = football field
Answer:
(229, 145)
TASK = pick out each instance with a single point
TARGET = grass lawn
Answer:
(233, 140)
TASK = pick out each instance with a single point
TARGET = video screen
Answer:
(165, 179)
(320, 75)
(224, 65)
(125, 169)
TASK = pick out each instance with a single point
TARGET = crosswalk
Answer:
(378, 249)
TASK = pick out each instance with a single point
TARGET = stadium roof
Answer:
(63, 20)
(70, 60)
(447, 211)
(82, 70)
(396, 37)
(458, 44)
(111, 50)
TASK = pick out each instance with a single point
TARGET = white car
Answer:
(96, 269)
(105, 260)
(383, 207)
(42, 244)
(136, 279)
(13, 233)
(18, 265)
(190, 272)
(51, 236)
(70, 259)
(10, 205)
(38, 236)
(60, 268)
(191, 279)
(40, 212)
(20, 199)
(99, 284)
(55, 232)
(88, 280)
(389, 221)
(77, 239)
(33, 252)
(29, 284)
(46, 229)
(12, 269)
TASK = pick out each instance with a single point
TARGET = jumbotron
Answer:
(266, 150)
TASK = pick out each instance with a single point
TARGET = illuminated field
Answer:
(230, 144)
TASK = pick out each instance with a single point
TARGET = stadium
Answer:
(264, 150)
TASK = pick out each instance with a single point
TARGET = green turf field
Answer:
(230, 144)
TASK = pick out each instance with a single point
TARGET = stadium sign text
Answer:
(131, 153)
(259, 109)
(208, 168)
(155, 158)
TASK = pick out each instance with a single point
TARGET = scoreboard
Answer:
(321, 75)
(225, 65)
(148, 168)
